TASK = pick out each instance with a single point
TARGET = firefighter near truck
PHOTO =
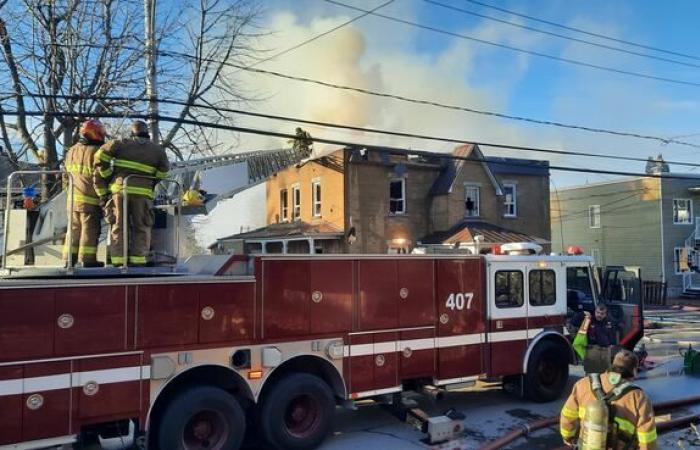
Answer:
(193, 358)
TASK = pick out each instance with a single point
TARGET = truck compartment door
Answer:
(46, 400)
(373, 362)
(285, 298)
(460, 321)
(90, 320)
(331, 296)
(416, 292)
(27, 321)
(379, 294)
(10, 404)
(226, 312)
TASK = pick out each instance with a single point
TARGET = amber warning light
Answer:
(255, 374)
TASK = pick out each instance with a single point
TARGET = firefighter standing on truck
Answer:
(607, 412)
(147, 163)
(83, 203)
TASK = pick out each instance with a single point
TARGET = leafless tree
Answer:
(93, 49)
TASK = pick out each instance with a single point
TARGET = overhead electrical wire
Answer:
(344, 143)
(582, 31)
(561, 36)
(521, 50)
(663, 140)
(365, 129)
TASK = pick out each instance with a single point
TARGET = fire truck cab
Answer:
(189, 359)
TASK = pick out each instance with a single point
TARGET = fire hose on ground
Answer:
(530, 427)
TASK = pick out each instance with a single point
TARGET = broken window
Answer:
(316, 200)
(296, 198)
(471, 201)
(397, 196)
(284, 205)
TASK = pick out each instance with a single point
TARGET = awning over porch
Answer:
(466, 230)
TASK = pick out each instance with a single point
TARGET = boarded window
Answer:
(509, 289)
(543, 287)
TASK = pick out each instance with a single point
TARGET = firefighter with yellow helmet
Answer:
(83, 202)
(144, 162)
(607, 412)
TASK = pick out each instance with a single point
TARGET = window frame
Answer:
(296, 208)
(467, 187)
(554, 287)
(402, 199)
(592, 214)
(316, 198)
(522, 288)
(690, 211)
(677, 261)
(284, 205)
(513, 202)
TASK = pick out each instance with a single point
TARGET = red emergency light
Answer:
(574, 250)
(496, 249)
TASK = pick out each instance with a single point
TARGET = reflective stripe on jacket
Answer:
(117, 160)
(79, 163)
(634, 415)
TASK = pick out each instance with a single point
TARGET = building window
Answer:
(509, 289)
(397, 196)
(284, 205)
(594, 216)
(510, 200)
(471, 201)
(682, 211)
(296, 199)
(316, 198)
(543, 288)
(680, 260)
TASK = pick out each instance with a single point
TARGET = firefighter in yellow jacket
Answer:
(607, 412)
(144, 163)
(83, 202)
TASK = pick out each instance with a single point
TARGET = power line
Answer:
(342, 143)
(364, 129)
(589, 33)
(522, 50)
(561, 36)
(403, 98)
(325, 33)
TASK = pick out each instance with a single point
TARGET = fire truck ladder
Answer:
(259, 165)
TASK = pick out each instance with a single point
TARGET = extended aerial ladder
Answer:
(40, 233)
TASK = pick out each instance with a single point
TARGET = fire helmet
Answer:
(93, 130)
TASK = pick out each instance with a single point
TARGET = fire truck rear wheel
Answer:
(202, 418)
(547, 372)
(297, 413)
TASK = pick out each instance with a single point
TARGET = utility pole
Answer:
(149, 10)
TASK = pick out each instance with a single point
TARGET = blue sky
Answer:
(529, 85)
(376, 54)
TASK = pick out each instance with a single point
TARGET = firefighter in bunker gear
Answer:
(83, 203)
(630, 423)
(147, 163)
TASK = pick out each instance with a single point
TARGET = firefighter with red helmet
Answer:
(83, 202)
(144, 163)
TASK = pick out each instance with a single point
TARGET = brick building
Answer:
(372, 201)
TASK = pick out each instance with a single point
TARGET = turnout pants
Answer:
(140, 221)
(85, 233)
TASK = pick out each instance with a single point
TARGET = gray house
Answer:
(642, 221)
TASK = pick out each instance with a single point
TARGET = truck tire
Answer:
(297, 413)
(547, 372)
(201, 418)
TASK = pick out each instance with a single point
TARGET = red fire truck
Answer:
(194, 357)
